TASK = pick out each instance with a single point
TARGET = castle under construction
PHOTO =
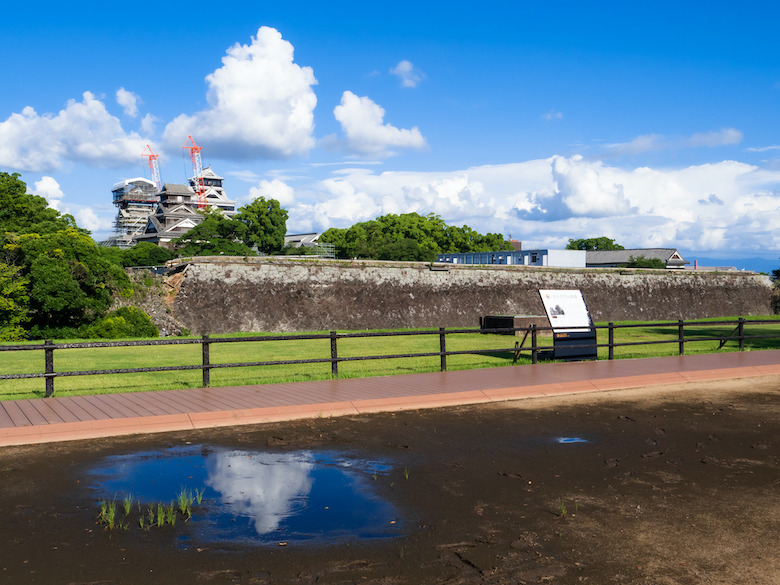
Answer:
(148, 211)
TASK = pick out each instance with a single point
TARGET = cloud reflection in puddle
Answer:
(257, 497)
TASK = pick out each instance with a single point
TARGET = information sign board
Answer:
(574, 336)
(566, 310)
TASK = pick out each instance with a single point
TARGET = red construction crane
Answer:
(197, 169)
(154, 167)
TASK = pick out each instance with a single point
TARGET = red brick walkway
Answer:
(80, 417)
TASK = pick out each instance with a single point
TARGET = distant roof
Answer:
(669, 256)
(207, 172)
(174, 189)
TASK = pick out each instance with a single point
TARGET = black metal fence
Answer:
(530, 334)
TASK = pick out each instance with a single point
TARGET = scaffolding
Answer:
(136, 200)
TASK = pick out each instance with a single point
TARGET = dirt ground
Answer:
(676, 485)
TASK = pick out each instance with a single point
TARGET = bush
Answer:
(643, 262)
(124, 322)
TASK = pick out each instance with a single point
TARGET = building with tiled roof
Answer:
(613, 258)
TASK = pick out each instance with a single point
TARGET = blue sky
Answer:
(655, 124)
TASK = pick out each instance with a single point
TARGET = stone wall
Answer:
(217, 295)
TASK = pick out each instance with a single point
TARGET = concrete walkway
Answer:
(81, 417)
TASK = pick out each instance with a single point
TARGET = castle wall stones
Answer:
(217, 295)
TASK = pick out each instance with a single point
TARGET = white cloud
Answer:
(49, 188)
(583, 190)
(148, 124)
(552, 115)
(720, 138)
(245, 176)
(407, 73)
(260, 103)
(724, 206)
(82, 132)
(88, 219)
(656, 142)
(274, 189)
(362, 119)
(128, 100)
(763, 148)
(638, 145)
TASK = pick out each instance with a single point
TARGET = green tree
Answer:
(266, 224)
(216, 235)
(409, 236)
(22, 213)
(14, 303)
(602, 243)
(146, 254)
(69, 281)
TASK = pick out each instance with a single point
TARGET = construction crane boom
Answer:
(197, 169)
(154, 167)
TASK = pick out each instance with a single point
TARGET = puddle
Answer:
(571, 440)
(256, 497)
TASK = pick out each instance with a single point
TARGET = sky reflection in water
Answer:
(258, 497)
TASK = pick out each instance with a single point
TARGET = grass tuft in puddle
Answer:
(158, 514)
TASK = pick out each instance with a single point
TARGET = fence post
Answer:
(741, 330)
(334, 355)
(611, 341)
(534, 356)
(443, 349)
(681, 336)
(206, 369)
(48, 356)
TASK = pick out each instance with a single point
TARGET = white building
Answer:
(552, 258)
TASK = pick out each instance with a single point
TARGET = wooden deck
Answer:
(81, 417)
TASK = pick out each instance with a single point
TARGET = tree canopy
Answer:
(14, 301)
(602, 243)
(215, 235)
(70, 282)
(22, 213)
(54, 278)
(144, 254)
(266, 224)
(409, 236)
(261, 224)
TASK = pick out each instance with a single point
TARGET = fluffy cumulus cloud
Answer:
(83, 132)
(128, 100)
(581, 189)
(720, 206)
(261, 103)
(362, 121)
(407, 73)
(49, 188)
(274, 189)
(88, 219)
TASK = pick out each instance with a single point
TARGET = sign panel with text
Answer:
(574, 336)
(566, 310)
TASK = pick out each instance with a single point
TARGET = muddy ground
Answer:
(677, 485)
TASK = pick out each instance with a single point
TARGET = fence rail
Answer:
(534, 350)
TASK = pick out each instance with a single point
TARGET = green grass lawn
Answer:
(499, 348)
